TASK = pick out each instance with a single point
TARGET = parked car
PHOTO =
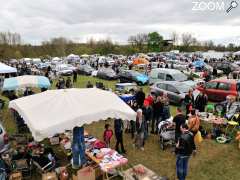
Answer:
(164, 74)
(65, 69)
(85, 69)
(175, 91)
(107, 73)
(219, 89)
(133, 76)
(4, 144)
(225, 66)
(125, 87)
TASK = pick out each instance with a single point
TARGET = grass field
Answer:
(212, 162)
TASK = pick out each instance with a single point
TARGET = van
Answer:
(164, 74)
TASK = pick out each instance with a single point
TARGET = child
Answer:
(107, 135)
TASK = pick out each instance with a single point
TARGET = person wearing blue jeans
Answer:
(184, 149)
(182, 166)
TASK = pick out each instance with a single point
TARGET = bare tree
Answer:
(138, 40)
(187, 39)
(10, 38)
(174, 37)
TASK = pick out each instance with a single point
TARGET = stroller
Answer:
(166, 134)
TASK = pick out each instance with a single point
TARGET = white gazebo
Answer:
(5, 69)
(55, 111)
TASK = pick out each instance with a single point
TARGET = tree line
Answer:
(12, 46)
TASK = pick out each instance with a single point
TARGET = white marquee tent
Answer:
(237, 53)
(6, 69)
(55, 111)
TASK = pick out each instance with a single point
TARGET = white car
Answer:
(65, 69)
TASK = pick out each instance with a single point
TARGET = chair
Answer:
(42, 164)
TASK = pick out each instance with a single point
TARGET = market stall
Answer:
(25, 81)
(55, 111)
(5, 69)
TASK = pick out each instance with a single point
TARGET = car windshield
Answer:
(179, 77)
(134, 73)
(183, 88)
(88, 67)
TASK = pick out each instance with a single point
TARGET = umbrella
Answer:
(25, 81)
(55, 111)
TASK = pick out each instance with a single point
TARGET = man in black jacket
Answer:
(184, 149)
(201, 102)
(140, 96)
(148, 114)
(118, 128)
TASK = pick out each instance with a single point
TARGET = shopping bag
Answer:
(198, 138)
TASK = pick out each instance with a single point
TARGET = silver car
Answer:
(4, 144)
(164, 74)
(175, 91)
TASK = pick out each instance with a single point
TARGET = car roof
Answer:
(167, 70)
(231, 81)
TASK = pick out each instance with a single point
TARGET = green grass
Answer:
(213, 161)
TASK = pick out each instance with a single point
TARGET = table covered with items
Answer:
(109, 161)
(140, 172)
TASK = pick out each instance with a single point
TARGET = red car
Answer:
(219, 89)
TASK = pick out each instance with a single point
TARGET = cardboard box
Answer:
(50, 176)
(54, 140)
(16, 176)
(87, 173)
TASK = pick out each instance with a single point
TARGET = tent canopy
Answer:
(140, 61)
(25, 81)
(73, 57)
(237, 53)
(55, 111)
(6, 69)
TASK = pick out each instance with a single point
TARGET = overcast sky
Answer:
(79, 20)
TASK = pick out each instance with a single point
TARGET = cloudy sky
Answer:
(79, 20)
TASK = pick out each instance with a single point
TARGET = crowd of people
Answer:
(151, 110)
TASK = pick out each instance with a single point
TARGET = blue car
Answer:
(127, 76)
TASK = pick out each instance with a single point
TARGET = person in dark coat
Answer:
(184, 149)
(157, 112)
(201, 102)
(140, 96)
(189, 101)
(148, 114)
(74, 76)
(69, 83)
(178, 120)
(118, 128)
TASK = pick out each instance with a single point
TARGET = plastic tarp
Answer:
(6, 69)
(25, 81)
(55, 111)
(198, 64)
